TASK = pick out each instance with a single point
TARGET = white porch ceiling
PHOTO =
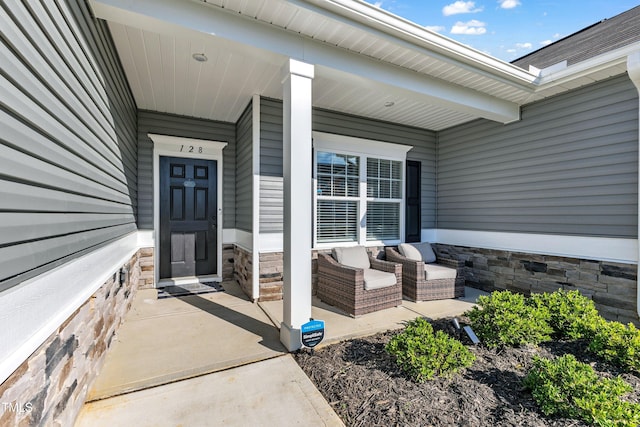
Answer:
(361, 62)
(164, 77)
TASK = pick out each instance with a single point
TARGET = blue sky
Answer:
(506, 29)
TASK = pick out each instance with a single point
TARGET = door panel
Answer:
(188, 217)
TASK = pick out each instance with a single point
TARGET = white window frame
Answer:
(363, 148)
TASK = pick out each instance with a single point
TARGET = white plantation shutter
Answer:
(383, 221)
(337, 221)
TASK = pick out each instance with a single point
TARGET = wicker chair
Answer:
(416, 286)
(344, 287)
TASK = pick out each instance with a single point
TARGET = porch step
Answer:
(189, 289)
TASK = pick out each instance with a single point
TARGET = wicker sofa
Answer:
(423, 281)
(345, 287)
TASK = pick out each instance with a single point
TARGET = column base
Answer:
(290, 337)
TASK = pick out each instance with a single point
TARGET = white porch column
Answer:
(297, 167)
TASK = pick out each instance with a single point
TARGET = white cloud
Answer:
(511, 51)
(435, 28)
(472, 28)
(524, 45)
(378, 4)
(546, 42)
(509, 4)
(460, 7)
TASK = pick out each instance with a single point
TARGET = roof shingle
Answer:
(599, 38)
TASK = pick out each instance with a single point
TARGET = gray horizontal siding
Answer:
(68, 179)
(271, 190)
(271, 204)
(270, 137)
(244, 169)
(568, 167)
(271, 184)
(186, 127)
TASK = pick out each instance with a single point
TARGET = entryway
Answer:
(188, 218)
(187, 210)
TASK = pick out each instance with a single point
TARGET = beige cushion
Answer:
(376, 279)
(417, 251)
(435, 271)
(409, 251)
(355, 256)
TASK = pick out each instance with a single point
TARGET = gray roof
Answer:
(599, 38)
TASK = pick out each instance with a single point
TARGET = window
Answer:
(384, 199)
(338, 188)
(359, 190)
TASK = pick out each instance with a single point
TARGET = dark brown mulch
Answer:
(366, 388)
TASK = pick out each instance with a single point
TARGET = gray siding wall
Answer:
(271, 186)
(570, 166)
(271, 210)
(244, 168)
(68, 141)
(186, 127)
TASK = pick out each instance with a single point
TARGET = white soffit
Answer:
(155, 41)
(364, 57)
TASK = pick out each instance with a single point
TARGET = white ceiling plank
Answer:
(168, 52)
(127, 60)
(155, 62)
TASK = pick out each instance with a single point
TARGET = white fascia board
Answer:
(409, 34)
(197, 20)
(613, 59)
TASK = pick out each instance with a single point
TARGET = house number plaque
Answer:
(191, 149)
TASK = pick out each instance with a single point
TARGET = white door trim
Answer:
(174, 146)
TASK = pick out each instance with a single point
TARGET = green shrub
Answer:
(572, 389)
(506, 318)
(572, 315)
(618, 344)
(423, 355)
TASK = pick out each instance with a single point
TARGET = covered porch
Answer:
(271, 84)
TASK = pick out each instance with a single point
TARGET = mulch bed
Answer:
(366, 388)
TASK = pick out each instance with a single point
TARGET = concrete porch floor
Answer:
(340, 326)
(212, 340)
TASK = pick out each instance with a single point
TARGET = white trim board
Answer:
(594, 248)
(584, 247)
(35, 309)
(174, 146)
(359, 146)
(256, 121)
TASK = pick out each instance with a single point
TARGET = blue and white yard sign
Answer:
(312, 332)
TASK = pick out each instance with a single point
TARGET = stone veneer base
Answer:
(612, 286)
(50, 387)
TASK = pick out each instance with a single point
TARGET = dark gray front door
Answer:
(188, 215)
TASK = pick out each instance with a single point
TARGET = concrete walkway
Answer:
(274, 392)
(190, 361)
